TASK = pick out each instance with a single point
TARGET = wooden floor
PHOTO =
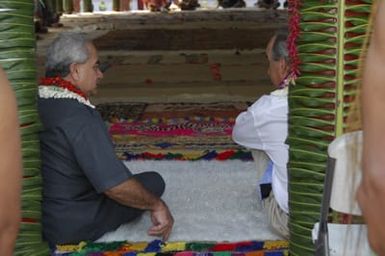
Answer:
(183, 56)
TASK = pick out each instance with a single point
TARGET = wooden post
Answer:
(53, 6)
(125, 5)
(76, 5)
(68, 6)
(87, 6)
(59, 6)
(140, 5)
(115, 5)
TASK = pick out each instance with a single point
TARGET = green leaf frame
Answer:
(17, 57)
(329, 44)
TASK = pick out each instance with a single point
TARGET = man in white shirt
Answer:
(264, 126)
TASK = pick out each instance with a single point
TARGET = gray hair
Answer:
(66, 49)
(279, 49)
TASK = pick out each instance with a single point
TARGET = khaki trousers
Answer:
(278, 219)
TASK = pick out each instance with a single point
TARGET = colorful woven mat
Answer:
(174, 131)
(158, 248)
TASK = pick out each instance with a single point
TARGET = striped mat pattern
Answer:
(174, 131)
(158, 248)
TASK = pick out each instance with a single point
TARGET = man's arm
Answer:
(371, 194)
(10, 168)
(132, 193)
(244, 130)
(108, 175)
(265, 122)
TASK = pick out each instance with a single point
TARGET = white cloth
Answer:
(264, 126)
(345, 239)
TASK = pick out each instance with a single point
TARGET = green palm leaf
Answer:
(329, 44)
(17, 57)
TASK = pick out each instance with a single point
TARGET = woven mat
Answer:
(158, 248)
(174, 131)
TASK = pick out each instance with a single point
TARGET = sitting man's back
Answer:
(263, 127)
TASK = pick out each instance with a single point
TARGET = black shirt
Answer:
(78, 165)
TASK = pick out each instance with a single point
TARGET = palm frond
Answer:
(329, 43)
(17, 57)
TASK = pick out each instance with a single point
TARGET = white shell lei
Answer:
(54, 92)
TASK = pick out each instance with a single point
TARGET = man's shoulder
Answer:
(59, 112)
(269, 101)
(63, 107)
(281, 93)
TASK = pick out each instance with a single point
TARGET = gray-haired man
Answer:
(263, 127)
(87, 190)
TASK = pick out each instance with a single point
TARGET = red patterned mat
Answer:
(179, 131)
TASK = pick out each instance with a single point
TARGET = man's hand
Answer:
(133, 194)
(162, 221)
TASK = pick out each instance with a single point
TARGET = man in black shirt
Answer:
(87, 190)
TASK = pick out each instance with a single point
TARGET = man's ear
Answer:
(74, 72)
(283, 67)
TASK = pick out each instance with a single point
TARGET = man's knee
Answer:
(152, 181)
(159, 183)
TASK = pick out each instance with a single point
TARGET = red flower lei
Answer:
(60, 82)
(294, 27)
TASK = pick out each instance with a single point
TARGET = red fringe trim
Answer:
(294, 28)
(29, 220)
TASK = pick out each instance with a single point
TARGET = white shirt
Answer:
(264, 126)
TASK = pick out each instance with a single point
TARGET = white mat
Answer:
(210, 201)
